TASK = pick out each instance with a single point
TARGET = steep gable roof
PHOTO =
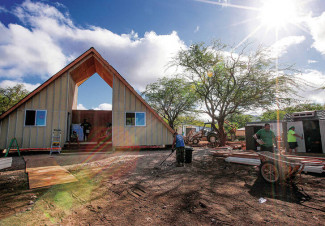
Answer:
(86, 65)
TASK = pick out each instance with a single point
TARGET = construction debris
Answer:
(246, 161)
(312, 164)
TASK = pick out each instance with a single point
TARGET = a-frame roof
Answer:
(81, 69)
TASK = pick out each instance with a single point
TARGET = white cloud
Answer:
(312, 61)
(81, 107)
(317, 80)
(3, 9)
(316, 26)
(197, 29)
(10, 83)
(280, 47)
(104, 106)
(47, 40)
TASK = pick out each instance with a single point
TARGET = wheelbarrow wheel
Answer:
(270, 172)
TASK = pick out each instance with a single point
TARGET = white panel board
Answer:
(5, 163)
(322, 133)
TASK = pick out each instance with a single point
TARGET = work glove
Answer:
(173, 150)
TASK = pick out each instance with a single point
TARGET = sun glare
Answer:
(278, 13)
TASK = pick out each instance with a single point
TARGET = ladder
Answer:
(56, 141)
(13, 145)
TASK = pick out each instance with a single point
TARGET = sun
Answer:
(278, 13)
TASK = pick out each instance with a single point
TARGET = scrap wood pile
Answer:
(249, 157)
(237, 144)
(229, 145)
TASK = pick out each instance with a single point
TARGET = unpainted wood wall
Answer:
(154, 133)
(57, 99)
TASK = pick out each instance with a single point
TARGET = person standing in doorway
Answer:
(86, 129)
(292, 140)
(266, 138)
(180, 149)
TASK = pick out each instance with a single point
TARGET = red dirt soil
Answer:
(130, 188)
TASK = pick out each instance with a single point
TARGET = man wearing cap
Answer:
(266, 138)
(292, 139)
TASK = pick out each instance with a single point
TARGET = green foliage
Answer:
(304, 107)
(240, 120)
(272, 114)
(171, 98)
(227, 82)
(189, 120)
(10, 96)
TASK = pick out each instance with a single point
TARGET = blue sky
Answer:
(139, 37)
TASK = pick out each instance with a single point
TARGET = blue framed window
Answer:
(35, 117)
(140, 119)
(135, 119)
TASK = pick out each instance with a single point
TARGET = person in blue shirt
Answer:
(178, 142)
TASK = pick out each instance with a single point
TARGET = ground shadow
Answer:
(288, 192)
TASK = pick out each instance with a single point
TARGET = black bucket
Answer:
(188, 154)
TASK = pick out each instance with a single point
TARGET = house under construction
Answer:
(53, 105)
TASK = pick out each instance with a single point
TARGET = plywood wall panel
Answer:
(127, 100)
(159, 133)
(57, 95)
(120, 97)
(132, 100)
(11, 127)
(63, 122)
(50, 94)
(3, 137)
(148, 128)
(138, 105)
(20, 124)
(33, 137)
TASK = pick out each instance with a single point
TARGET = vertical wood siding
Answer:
(154, 133)
(56, 99)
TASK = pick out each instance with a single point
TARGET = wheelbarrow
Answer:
(275, 167)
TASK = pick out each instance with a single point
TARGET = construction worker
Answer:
(266, 138)
(180, 149)
(292, 139)
(74, 138)
(86, 129)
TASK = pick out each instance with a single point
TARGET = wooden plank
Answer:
(44, 171)
(49, 177)
(33, 162)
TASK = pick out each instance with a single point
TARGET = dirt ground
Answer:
(127, 188)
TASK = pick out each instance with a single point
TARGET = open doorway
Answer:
(94, 104)
(251, 143)
(312, 136)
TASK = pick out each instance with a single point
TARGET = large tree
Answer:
(171, 98)
(227, 82)
(10, 96)
(240, 120)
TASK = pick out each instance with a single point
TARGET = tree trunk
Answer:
(221, 132)
(171, 124)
